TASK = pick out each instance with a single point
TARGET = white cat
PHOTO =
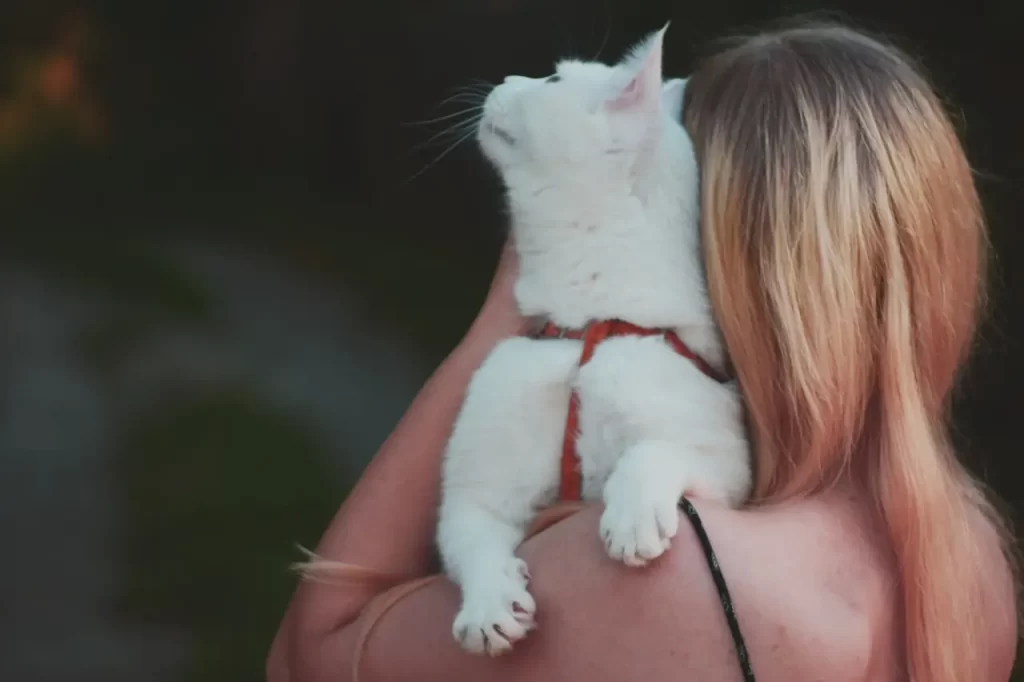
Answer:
(602, 182)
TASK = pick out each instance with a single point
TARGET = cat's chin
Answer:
(495, 148)
(500, 134)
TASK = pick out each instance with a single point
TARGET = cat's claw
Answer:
(495, 617)
(638, 526)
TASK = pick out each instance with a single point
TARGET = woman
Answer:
(844, 245)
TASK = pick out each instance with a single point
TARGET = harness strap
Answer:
(571, 483)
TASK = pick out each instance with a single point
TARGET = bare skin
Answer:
(812, 580)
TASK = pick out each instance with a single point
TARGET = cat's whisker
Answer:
(469, 99)
(567, 48)
(456, 96)
(468, 91)
(473, 96)
(446, 117)
(448, 150)
(462, 123)
(457, 130)
(607, 31)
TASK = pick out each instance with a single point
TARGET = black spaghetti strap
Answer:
(723, 591)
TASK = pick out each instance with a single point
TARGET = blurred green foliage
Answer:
(213, 493)
(213, 489)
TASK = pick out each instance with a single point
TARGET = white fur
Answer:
(602, 185)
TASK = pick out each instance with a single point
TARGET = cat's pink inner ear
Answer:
(630, 96)
(644, 89)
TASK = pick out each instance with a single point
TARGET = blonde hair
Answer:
(845, 252)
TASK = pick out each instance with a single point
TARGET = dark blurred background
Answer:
(229, 261)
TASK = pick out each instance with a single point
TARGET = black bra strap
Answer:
(723, 591)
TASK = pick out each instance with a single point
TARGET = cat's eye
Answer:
(553, 79)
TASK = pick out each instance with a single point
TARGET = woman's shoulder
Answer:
(813, 584)
(810, 586)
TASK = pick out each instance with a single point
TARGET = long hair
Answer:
(845, 252)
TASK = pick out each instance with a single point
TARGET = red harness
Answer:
(570, 486)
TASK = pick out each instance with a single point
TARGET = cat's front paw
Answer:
(639, 521)
(496, 614)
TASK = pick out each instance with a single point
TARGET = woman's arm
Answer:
(387, 523)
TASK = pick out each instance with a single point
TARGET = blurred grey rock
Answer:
(294, 344)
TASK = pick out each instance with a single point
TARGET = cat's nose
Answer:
(517, 80)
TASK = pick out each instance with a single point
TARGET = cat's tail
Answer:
(317, 569)
(552, 515)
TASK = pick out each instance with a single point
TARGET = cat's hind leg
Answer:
(501, 465)
(497, 609)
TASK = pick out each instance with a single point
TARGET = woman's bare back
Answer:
(812, 583)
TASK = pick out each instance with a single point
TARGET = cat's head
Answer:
(586, 117)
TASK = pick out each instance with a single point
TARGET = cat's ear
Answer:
(672, 96)
(644, 64)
